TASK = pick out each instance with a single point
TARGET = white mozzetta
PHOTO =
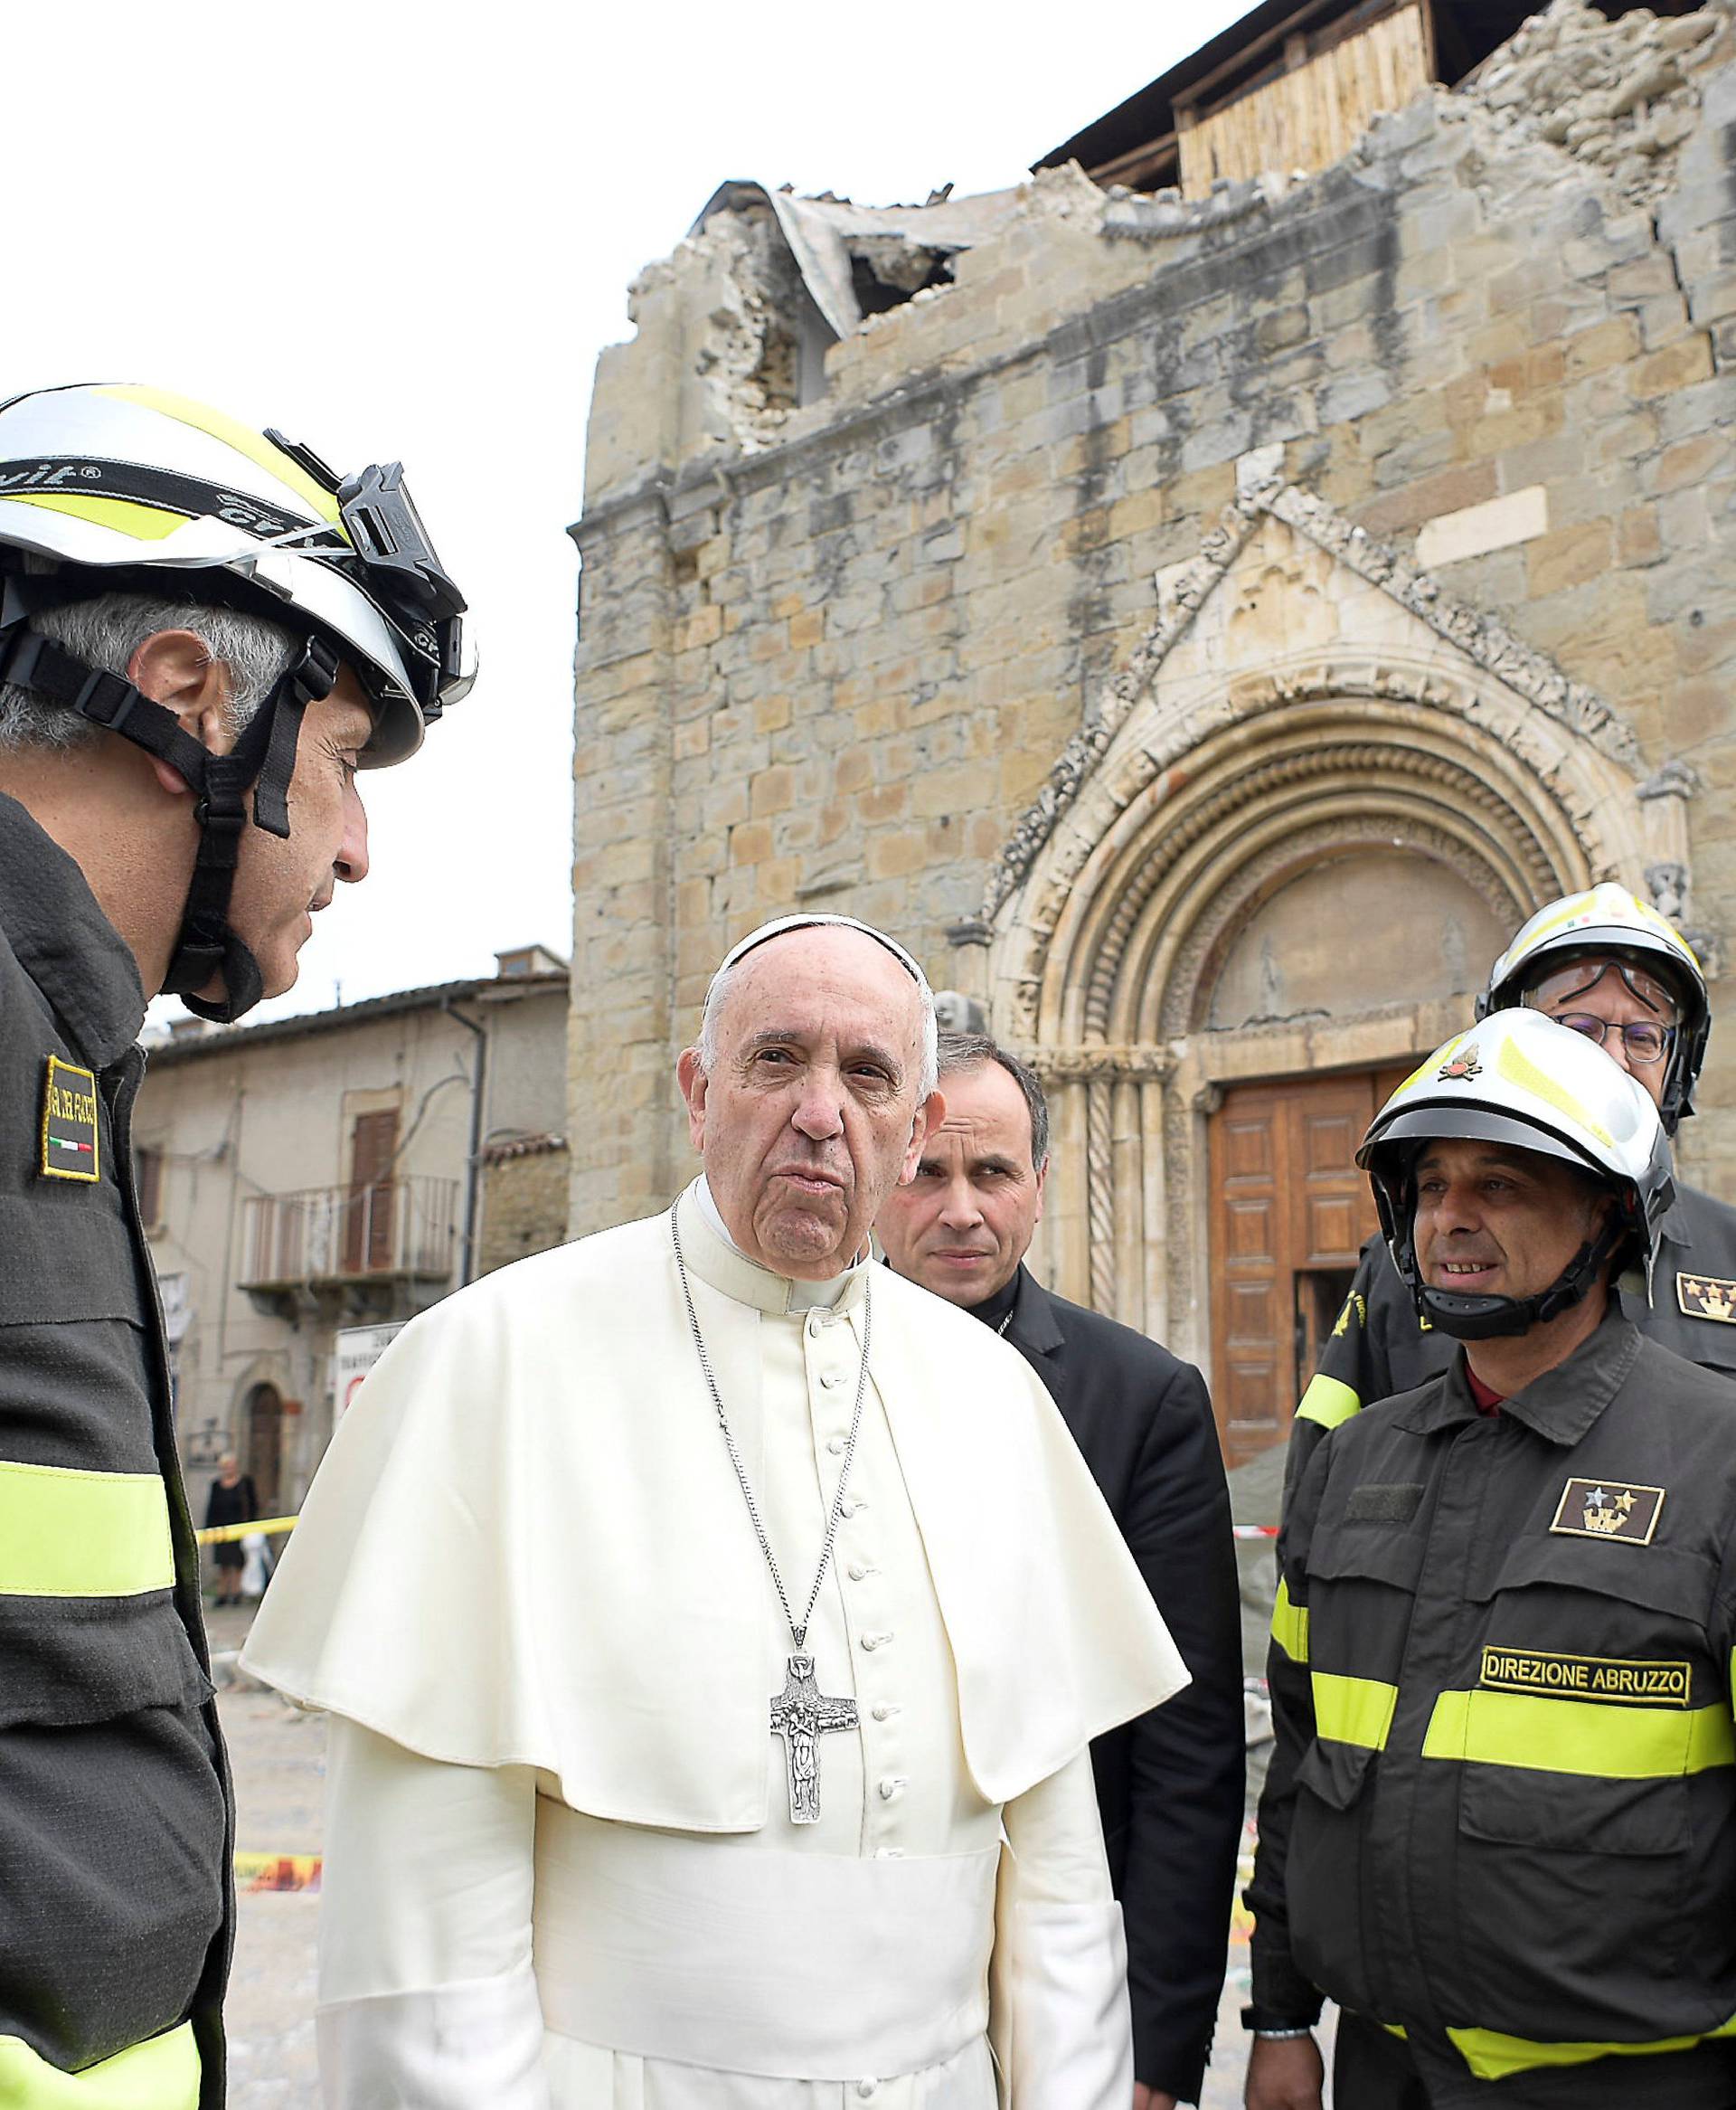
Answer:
(527, 1546)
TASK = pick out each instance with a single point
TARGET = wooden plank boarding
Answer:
(1313, 115)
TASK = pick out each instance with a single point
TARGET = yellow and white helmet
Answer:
(116, 485)
(1521, 1079)
(113, 487)
(1606, 921)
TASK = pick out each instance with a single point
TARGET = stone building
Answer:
(1200, 625)
(310, 1175)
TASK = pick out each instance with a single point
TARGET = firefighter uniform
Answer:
(1501, 1815)
(1380, 1346)
(115, 1902)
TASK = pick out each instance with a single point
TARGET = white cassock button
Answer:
(864, 2089)
(890, 1786)
(876, 1640)
(813, 1326)
(856, 1571)
(885, 1713)
(835, 1446)
(831, 1377)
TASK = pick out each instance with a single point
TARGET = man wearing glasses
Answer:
(1605, 964)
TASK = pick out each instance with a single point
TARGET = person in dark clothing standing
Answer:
(203, 638)
(1614, 970)
(1169, 1785)
(231, 1500)
(1499, 1827)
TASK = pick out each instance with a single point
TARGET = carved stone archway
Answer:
(1305, 696)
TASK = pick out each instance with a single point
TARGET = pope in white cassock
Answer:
(714, 1625)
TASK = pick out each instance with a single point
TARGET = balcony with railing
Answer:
(391, 1233)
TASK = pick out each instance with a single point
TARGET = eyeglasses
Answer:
(1645, 1041)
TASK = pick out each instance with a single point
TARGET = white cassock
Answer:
(527, 1558)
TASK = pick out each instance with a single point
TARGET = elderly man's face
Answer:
(810, 1113)
(1594, 990)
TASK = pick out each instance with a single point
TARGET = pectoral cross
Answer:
(801, 1715)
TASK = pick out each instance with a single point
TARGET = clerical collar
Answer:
(718, 1261)
(997, 1310)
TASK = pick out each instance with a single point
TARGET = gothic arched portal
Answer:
(1271, 872)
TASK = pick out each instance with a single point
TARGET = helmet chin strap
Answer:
(1469, 1317)
(262, 760)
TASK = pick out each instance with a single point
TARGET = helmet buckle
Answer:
(106, 700)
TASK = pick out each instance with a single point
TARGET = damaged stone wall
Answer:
(839, 669)
(1621, 96)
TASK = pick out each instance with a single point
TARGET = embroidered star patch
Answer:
(1608, 1509)
(1707, 1297)
(69, 1123)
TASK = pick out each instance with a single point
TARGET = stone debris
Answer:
(1620, 96)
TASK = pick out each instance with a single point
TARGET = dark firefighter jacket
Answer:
(1380, 1346)
(1501, 1811)
(114, 1834)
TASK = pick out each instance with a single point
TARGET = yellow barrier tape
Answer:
(215, 1534)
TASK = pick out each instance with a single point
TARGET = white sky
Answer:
(404, 232)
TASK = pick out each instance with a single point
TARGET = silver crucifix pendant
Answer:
(801, 1715)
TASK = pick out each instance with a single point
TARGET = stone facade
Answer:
(1163, 559)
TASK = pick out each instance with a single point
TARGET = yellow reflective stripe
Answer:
(161, 2074)
(71, 1534)
(1353, 1710)
(241, 438)
(146, 523)
(1328, 1401)
(1492, 2055)
(1290, 1624)
(1518, 1068)
(1579, 1735)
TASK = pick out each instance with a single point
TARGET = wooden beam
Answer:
(1197, 90)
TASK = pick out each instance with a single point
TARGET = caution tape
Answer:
(279, 1872)
(216, 1534)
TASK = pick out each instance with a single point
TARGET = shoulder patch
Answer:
(1608, 1509)
(1707, 1297)
(69, 1123)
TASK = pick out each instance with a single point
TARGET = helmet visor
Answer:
(1562, 985)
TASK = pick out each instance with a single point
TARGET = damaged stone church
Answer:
(1201, 600)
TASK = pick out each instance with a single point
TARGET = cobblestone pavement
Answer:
(277, 1755)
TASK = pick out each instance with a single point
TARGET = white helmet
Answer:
(1518, 1078)
(114, 487)
(1605, 920)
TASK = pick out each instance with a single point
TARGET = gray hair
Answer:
(723, 980)
(107, 631)
(972, 1050)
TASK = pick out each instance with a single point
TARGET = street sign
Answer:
(354, 1352)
